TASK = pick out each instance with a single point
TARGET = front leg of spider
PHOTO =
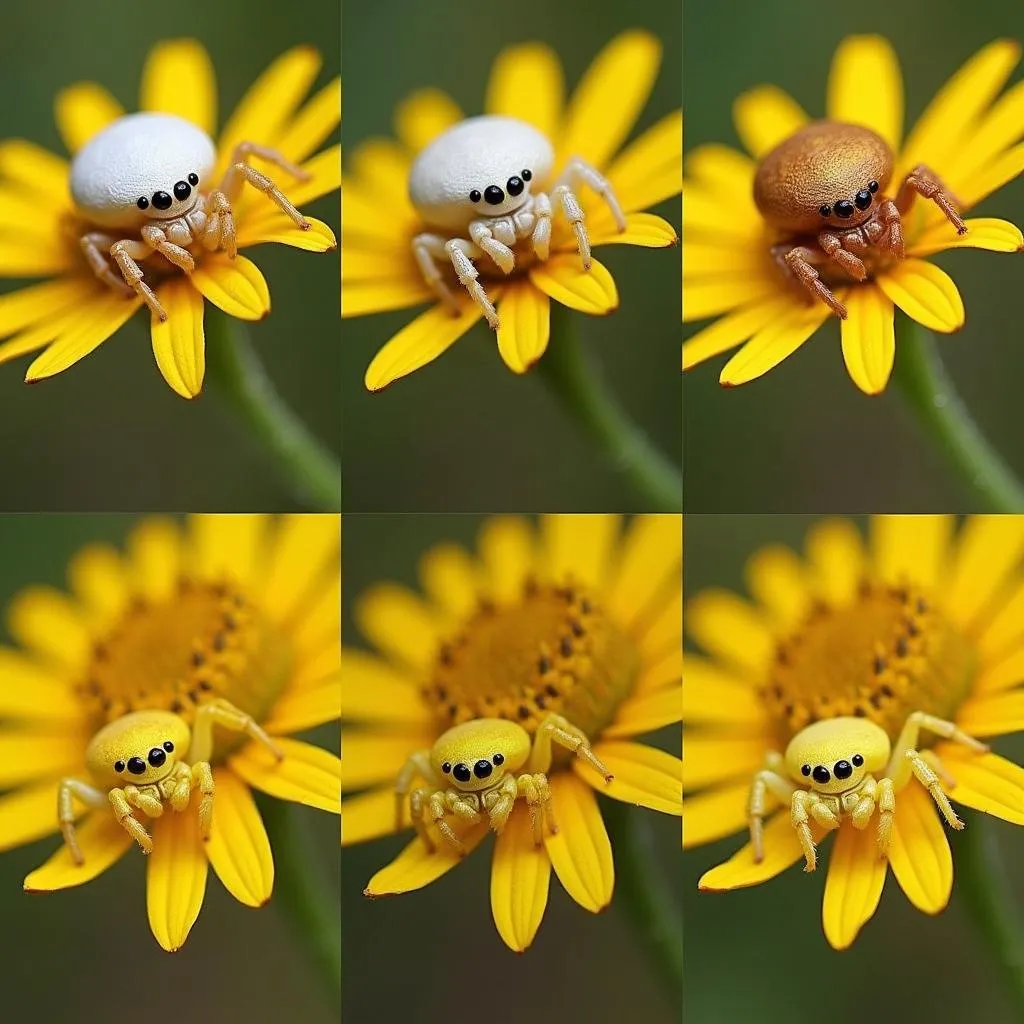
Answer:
(536, 790)
(556, 729)
(923, 181)
(800, 817)
(461, 252)
(890, 217)
(226, 715)
(123, 812)
(481, 236)
(498, 803)
(240, 173)
(425, 800)
(541, 237)
(799, 263)
(832, 246)
(124, 252)
(770, 779)
(579, 172)
(67, 792)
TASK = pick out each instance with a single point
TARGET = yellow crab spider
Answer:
(838, 758)
(164, 759)
(149, 176)
(471, 771)
(475, 179)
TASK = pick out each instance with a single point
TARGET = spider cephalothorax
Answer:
(823, 190)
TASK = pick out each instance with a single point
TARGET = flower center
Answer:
(206, 641)
(888, 654)
(554, 651)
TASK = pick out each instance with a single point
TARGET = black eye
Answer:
(862, 199)
(446, 767)
(136, 766)
(872, 186)
(514, 186)
(193, 178)
(498, 759)
(821, 775)
(182, 190)
(494, 195)
(462, 772)
(526, 175)
(844, 208)
(825, 211)
(143, 203)
(806, 770)
(168, 746)
(475, 196)
(857, 760)
(482, 769)
(162, 201)
(119, 767)
(157, 757)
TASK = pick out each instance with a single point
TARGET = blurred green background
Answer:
(412, 957)
(759, 953)
(804, 438)
(87, 953)
(464, 433)
(109, 433)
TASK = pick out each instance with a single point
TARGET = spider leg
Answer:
(201, 777)
(90, 796)
(427, 249)
(768, 780)
(832, 246)
(923, 181)
(124, 252)
(460, 252)
(541, 237)
(240, 173)
(559, 730)
(798, 263)
(577, 171)
(155, 238)
(125, 818)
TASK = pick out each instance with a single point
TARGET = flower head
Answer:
(235, 608)
(380, 271)
(967, 136)
(924, 619)
(41, 229)
(576, 621)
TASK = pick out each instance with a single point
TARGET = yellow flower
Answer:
(927, 619)
(235, 607)
(970, 139)
(379, 270)
(72, 314)
(576, 620)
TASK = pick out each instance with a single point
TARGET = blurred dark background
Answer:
(759, 954)
(411, 957)
(803, 437)
(109, 433)
(465, 433)
(87, 953)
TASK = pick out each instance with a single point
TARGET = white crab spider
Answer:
(475, 178)
(149, 175)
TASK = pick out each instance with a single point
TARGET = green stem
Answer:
(984, 888)
(643, 889)
(303, 893)
(589, 401)
(238, 376)
(942, 415)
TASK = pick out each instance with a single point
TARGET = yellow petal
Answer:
(919, 854)
(649, 561)
(994, 714)
(376, 692)
(710, 758)
(730, 330)
(911, 547)
(1003, 627)
(712, 696)
(178, 79)
(639, 715)
(303, 708)
(608, 100)
(361, 298)
(715, 813)
(369, 757)
(33, 693)
(48, 622)
(368, 815)
(660, 673)
(989, 138)
(265, 110)
(82, 110)
(99, 579)
(238, 848)
(781, 850)
(865, 87)
(869, 339)
(642, 229)
(154, 547)
(725, 173)
(563, 278)
(304, 559)
(664, 634)
(644, 775)
(580, 851)
(777, 580)
(237, 286)
(415, 867)
(989, 550)
(957, 106)
(986, 782)
(982, 233)
(925, 293)
(313, 124)
(650, 169)
(34, 754)
(28, 813)
(991, 177)
(400, 624)
(856, 874)
(730, 628)
(282, 230)
(773, 343)
(837, 558)
(450, 580)
(1001, 674)
(419, 342)
(525, 326)
(423, 116)
(102, 841)
(520, 875)
(506, 547)
(710, 296)
(526, 83)
(228, 545)
(175, 878)
(35, 170)
(306, 775)
(179, 344)
(765, 116)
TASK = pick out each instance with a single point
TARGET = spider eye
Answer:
(526, 175)
(514, 185)
(498, 759)
(119, 767)
(475, 196)
(825, 210)
(805, 770)
(142, 203)
(462, 772)
(446, 767)
(193, 178)
(844, 208)
(821, 774)
(162, 201)
(872, 186)
(168, 746)
(182, 190)
(857, 760)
